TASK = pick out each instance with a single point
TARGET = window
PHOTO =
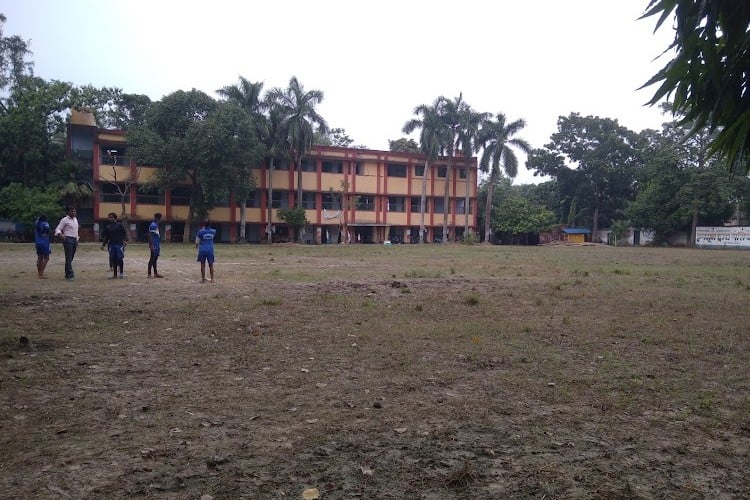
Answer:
(395, 170)
(460, 205)
(308, 199)
(419, 171)
(253, 199)
(110, 193)
(441, 171)
(181, 196)
(415, 204)
(309, 165)
(396, 204)
(366, 203)
(280, 199)
(114, 155)
(149, 196)
(438, 205)
(330, 201)
(281, 164)
(332, 167)
(462, 173)
(359, 169)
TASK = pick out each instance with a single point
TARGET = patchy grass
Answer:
(410, 371)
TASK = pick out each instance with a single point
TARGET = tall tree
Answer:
(708, 77)
(468, 143)
(14, 60)
(452, 111)
(169, 139)
(276, 141)
(298, 109)
(680, 186)
(499, 144)
(32, 130)
(596, 159)
(246, 95)
(432, 137)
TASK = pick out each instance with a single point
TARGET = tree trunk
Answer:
(595, 228)
(693, 226)
(467, 200)
(488, 206)
(298, 202)
(243, 219)
(423, 203)
(446, 201)
(269, 206)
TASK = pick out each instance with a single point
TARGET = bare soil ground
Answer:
(422, 372)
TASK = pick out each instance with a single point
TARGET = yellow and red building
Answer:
(381, 192)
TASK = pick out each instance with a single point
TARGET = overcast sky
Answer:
(374, 60)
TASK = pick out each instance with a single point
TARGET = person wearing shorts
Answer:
(204, 242)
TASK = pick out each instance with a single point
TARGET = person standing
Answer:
(154, 245)
(41, 241)
(204, 242)
(67, 229)
(115, 238)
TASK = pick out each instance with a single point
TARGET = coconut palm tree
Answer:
(299, 116)
(275, 138)
(471, 122)
(496, 138)
(451, 111)
(246, 94)
(432, 138)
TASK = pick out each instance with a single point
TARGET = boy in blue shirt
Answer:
(41, 241)
(204, 242)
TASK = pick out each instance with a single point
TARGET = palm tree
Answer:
(275, 138)
(432, 137)
(471, 122)
(247, 95)
(297, 108)
(498, 142)
(451, 111)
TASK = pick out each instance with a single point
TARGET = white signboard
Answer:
(723, 237)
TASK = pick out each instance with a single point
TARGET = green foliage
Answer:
(517, 215)
(32, 129)
(212, 144)
(594, 161)
(403, 145)
(334, 137)
(619, 229)
(24, 204)
(497, 139)
(296, 109)
(14, 52)
(708, 76)
(470, 238)
(294, 217)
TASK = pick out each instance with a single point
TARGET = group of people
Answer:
(115, 239)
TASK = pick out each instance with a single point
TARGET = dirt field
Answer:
(404, 372)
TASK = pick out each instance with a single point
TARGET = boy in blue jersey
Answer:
(154, 245)
(41, 241)
(204, 242)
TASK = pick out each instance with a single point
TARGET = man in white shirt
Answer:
(68, 230)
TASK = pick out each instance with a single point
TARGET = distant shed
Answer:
(577, 234)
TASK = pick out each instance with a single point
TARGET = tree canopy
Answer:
(708, 78)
